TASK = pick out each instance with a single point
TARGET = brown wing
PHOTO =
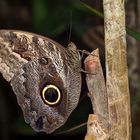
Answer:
(18, 47)
(23, 61)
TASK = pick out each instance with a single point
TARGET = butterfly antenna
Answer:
(70, 27)
(70, 30)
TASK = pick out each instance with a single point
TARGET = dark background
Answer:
(62, 21)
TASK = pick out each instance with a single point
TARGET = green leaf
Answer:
(92, 10)
(132, 33)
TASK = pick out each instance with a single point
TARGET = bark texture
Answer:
(117, 122)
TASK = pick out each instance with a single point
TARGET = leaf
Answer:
(132, 33)
(92, 10)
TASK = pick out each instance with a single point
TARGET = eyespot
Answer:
(51, 95)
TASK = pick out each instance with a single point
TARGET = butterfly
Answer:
(44, 77)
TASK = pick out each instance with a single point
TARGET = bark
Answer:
(118, 98)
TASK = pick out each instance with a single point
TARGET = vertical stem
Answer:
(116, 70)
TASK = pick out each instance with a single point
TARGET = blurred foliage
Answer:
(49, 18)
(54, 18)
(132, 33)
(136, 100)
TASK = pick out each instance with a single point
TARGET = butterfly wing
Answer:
(30, 62)
(18, 48)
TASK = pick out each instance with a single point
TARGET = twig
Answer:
(98, 124)
(116, 70)
(111, 104)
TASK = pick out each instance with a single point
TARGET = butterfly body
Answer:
(30, 63)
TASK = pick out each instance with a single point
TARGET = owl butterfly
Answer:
(43, 75)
